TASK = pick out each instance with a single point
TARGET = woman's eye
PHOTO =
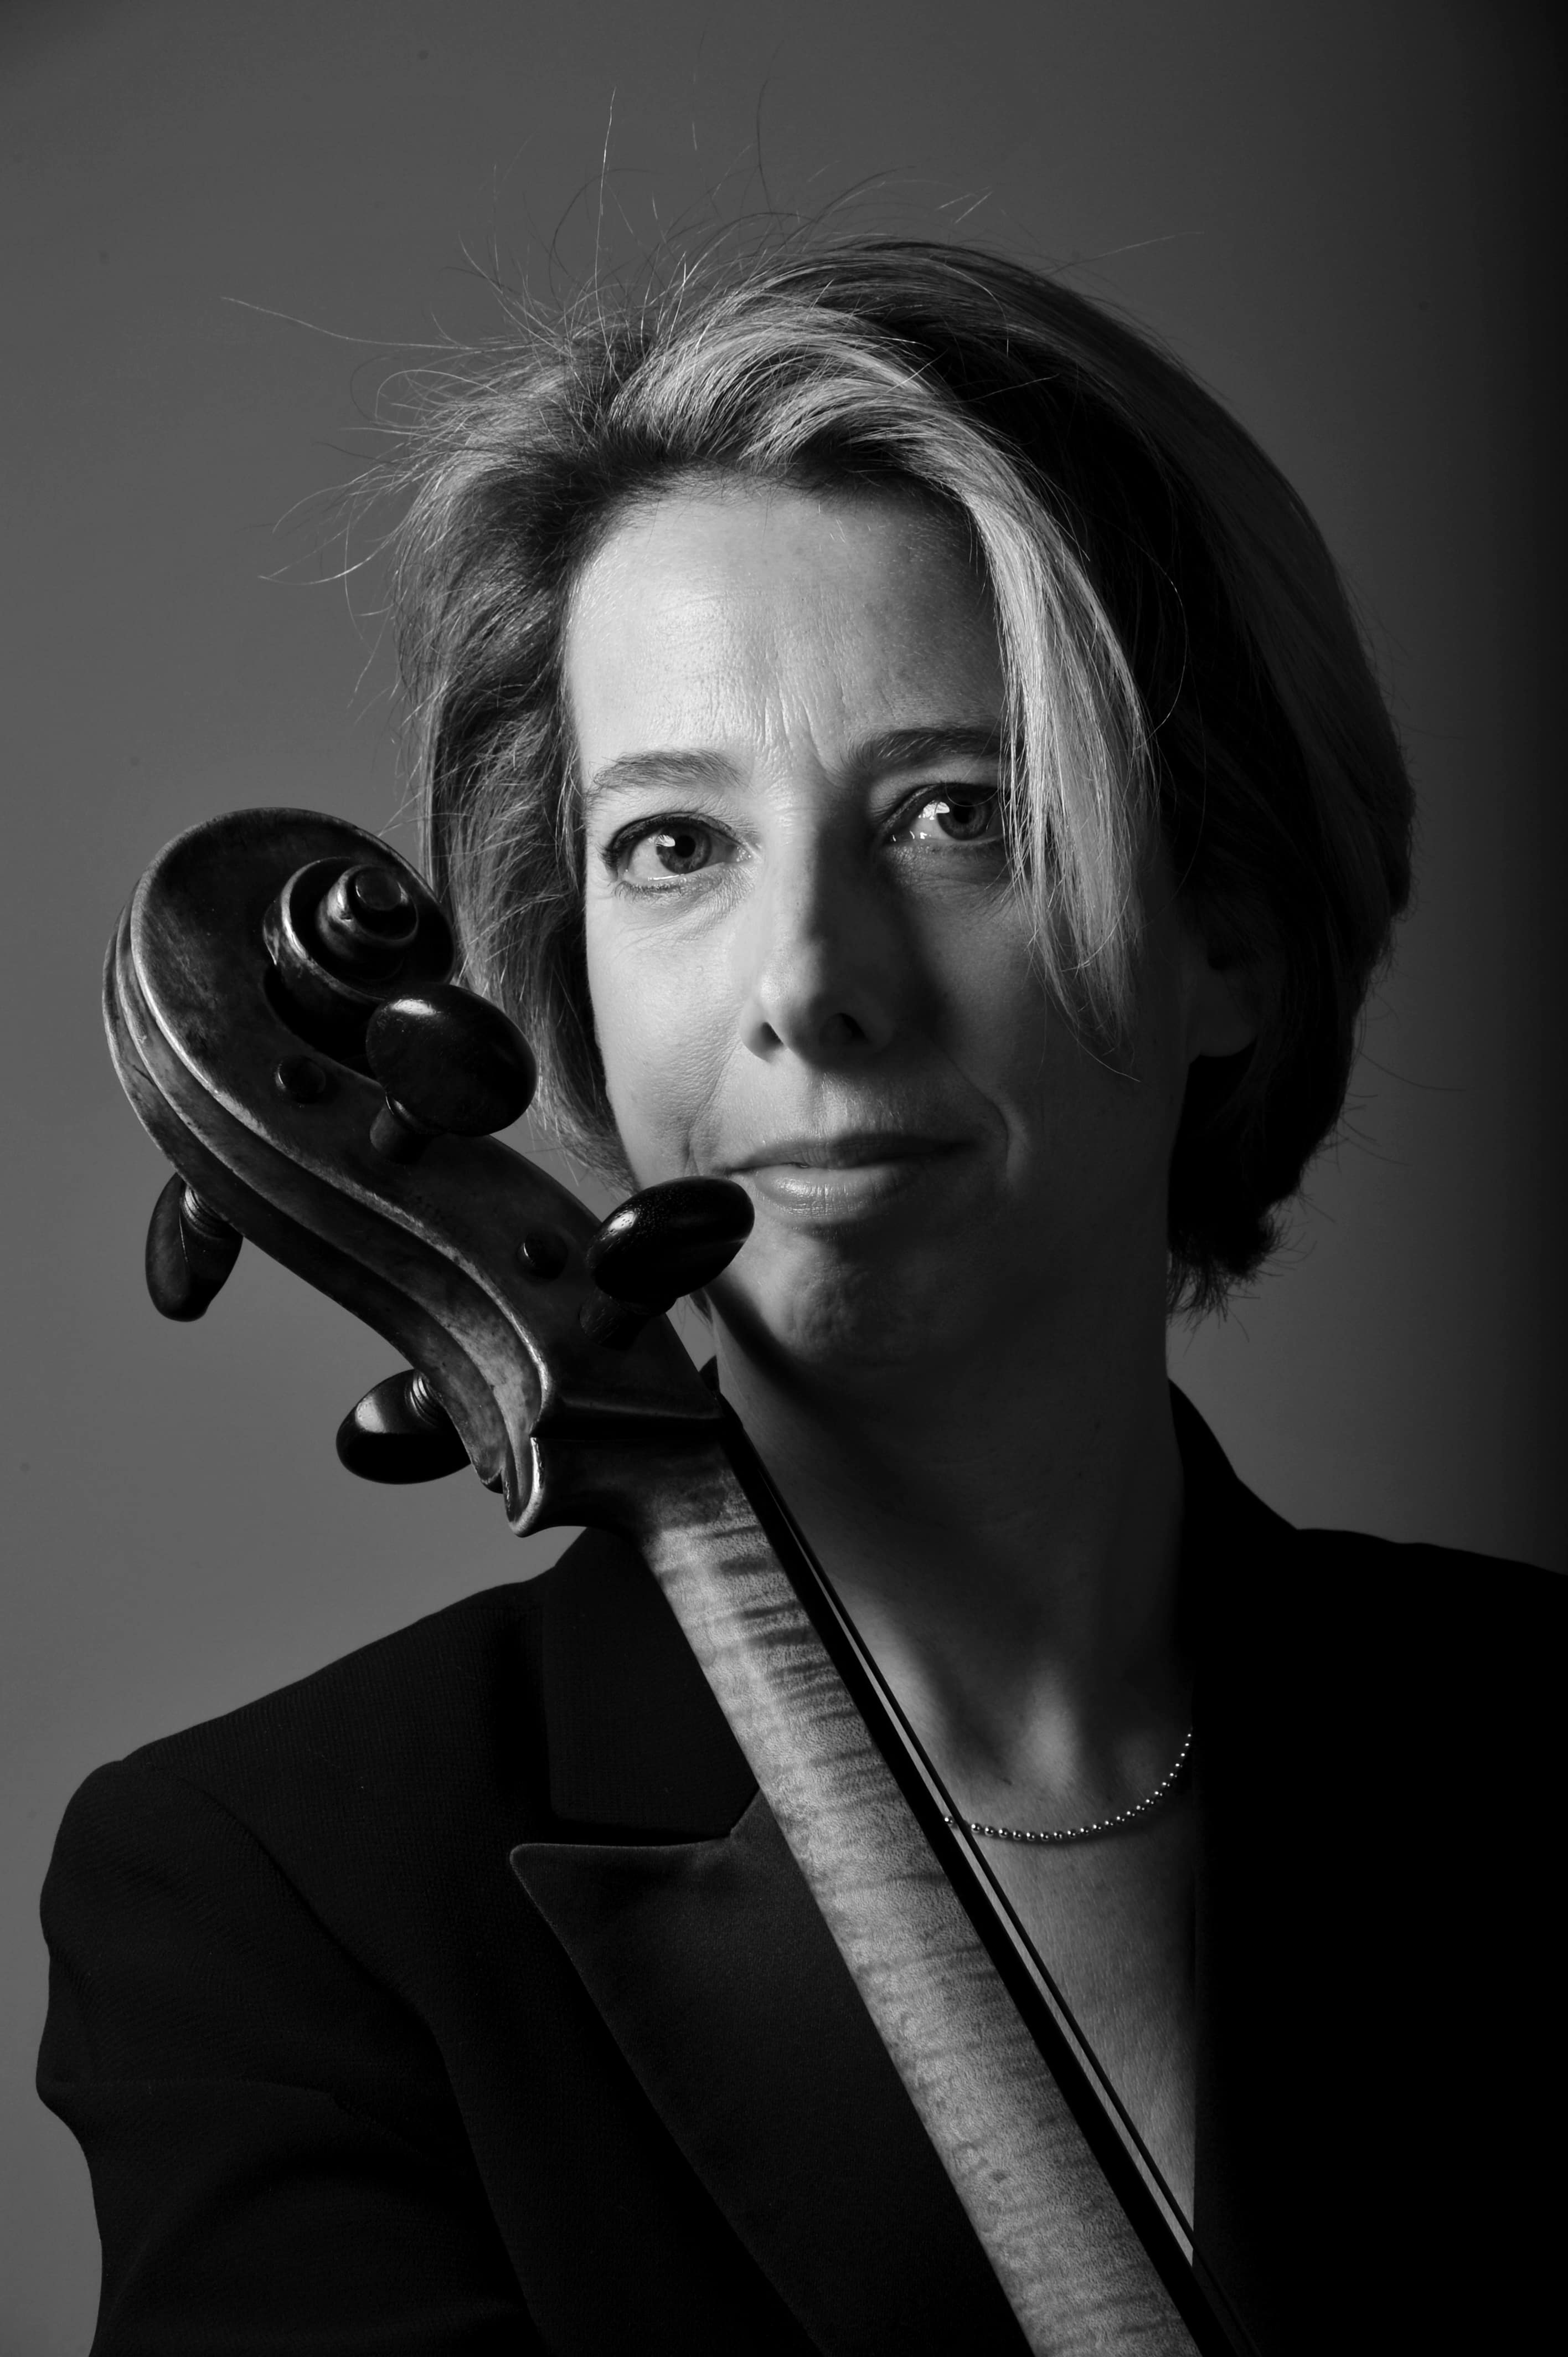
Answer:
(955, 816)
(670, 849)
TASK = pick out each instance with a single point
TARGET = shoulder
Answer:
(1427, 1603)
(455, 1696)
(394, 1710)
(1270, 1594)
(426, 1744)
(385, 1786)
(1464, 1657)
(1308, 1627)
(1419, 1566)
(1373, 1673)
(1404, 1686)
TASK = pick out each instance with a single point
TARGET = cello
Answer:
(281, 1013)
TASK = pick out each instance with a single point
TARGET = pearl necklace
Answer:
(1082, 1833)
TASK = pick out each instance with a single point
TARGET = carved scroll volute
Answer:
(242, 992)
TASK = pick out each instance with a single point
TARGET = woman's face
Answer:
(810, 969)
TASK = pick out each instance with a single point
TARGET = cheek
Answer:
(988, 1012)
(1108, 1125)
(1087, 1136)
(661, 1032)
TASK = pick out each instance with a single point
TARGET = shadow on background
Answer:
(228, 226)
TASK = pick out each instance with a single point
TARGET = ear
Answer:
(1225, 1001)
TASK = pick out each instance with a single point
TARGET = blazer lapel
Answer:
(716, 1977)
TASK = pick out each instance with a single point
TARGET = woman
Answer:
(892, 741)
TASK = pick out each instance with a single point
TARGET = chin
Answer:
(820, 1313)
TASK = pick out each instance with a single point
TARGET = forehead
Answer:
(717, 611)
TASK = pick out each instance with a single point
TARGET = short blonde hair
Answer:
(1177, 648)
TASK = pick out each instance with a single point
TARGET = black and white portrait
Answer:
(914, 649)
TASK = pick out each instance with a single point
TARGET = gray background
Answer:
(223, 225)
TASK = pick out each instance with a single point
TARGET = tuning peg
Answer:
(448, 1061)
(345, 935)
(191, 1250)
(658, 1246)
(401, 1432)
(366, 922)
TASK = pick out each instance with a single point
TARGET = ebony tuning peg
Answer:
(191, 1250)
(666, 1241)
(449, 1061)
(346, 935)
(367, 921)
(401, 1432)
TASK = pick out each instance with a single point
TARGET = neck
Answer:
(1004, 1534)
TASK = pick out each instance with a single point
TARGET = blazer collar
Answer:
(673, 1892)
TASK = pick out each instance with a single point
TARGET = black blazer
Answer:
(464, 1998)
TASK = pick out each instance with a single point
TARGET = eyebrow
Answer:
(893, 749)
(657, 769)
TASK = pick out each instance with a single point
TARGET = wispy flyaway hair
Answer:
(1178, 651)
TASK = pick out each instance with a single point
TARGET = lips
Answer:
(852, 1175)
(850, 1150)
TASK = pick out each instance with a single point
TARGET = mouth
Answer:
(829, 1180)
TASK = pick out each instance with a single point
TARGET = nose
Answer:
(822, 955)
